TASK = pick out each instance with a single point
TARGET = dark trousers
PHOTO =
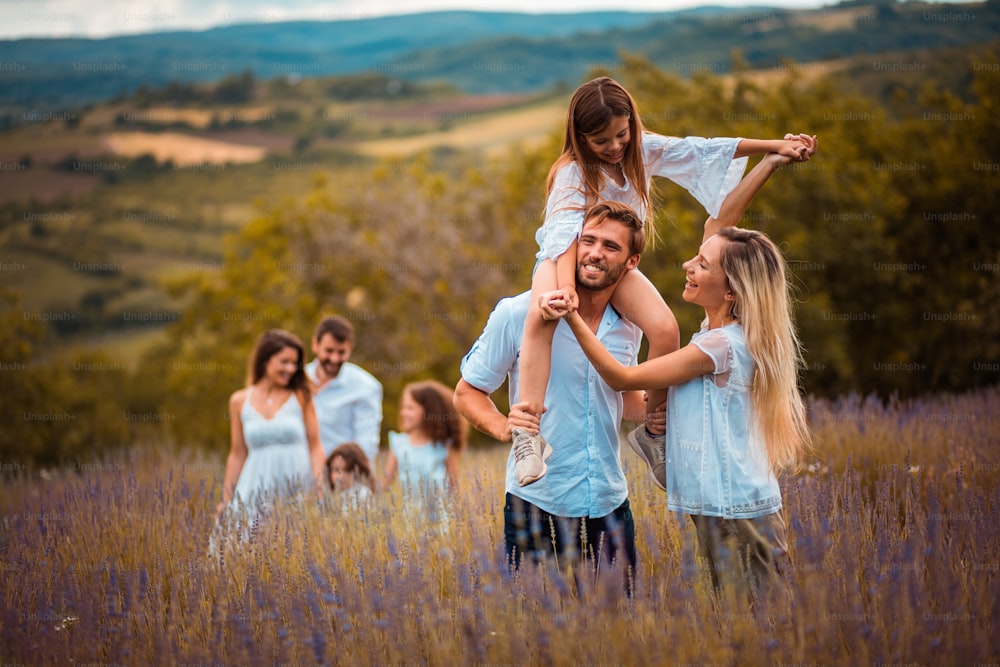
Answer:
(607, 541)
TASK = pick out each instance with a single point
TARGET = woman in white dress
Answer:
(274, 437)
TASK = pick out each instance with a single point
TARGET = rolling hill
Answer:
(476, 52)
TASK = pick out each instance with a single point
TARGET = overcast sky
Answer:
(102, 18)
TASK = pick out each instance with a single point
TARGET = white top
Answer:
(277, 451)
(349, 409)
(716, 458)
(421, 467)
(703, 167)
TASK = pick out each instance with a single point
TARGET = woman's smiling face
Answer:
(706, 283)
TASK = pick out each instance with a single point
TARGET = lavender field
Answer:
(894, 539)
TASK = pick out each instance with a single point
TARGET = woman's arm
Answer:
(237, 450)
(685, 364)
(739, 199)
(317, 457)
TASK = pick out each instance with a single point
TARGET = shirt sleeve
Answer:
(704, 167)
(564, 212)
(494, 354)
(716, 345)
(368, 420)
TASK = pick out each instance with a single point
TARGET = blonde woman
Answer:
(735, 415)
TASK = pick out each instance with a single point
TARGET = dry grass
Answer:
(183, 149)
(893, 561)
(492, 134)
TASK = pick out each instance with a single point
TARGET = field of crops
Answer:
(895, 551)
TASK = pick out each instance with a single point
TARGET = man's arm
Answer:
(478, 407)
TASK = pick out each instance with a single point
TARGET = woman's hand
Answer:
(803, 148)
(556, 304)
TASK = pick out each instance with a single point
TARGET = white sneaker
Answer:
(531, 451)
(653, 450)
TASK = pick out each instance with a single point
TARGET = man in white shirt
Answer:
(348, 398)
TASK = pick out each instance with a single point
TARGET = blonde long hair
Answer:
(591, 110)
(755, 270)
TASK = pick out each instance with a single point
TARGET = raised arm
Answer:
(738, 200)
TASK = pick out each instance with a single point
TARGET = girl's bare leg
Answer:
(531, 450)
(536, 346)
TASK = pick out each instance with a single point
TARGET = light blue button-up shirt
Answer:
(349, 409)
(585, 476)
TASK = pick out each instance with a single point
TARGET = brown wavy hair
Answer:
(591, 109)
(442, 423)
(270, 343)
(357, 463)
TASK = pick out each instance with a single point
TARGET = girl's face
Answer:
(610, 143)
(411, 414)
(340, 476)
(706, 283)
(282, 366)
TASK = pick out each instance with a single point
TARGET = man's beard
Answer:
(330, 368)
(612, 273)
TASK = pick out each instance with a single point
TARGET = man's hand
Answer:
(519, 417)
(656, 421)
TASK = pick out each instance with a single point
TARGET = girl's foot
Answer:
(530, 453)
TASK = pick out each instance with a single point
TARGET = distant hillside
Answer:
(52, 74)
(478, 52)
(688, 43)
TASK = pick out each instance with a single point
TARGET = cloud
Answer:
(103, 18)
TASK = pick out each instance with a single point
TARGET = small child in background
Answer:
(425, 454)
(349, 474)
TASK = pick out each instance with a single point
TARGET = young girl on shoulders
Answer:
(608, 155)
